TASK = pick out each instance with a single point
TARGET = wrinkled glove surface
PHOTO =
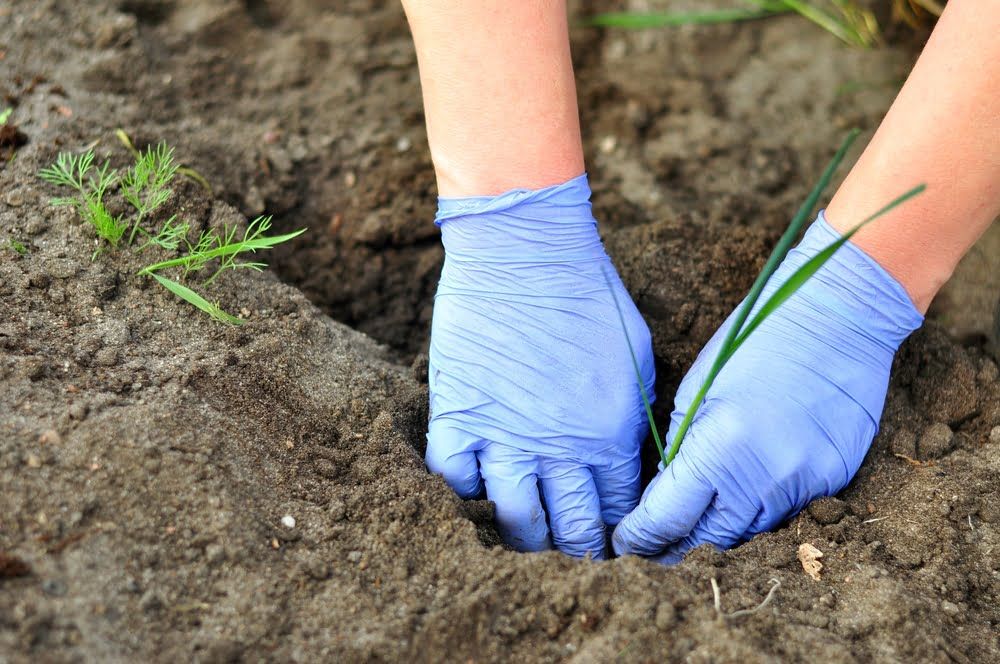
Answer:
(533, 391)
(789, 418)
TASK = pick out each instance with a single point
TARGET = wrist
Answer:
(855, 288)
(920, 265)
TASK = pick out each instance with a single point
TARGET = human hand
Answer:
(790, 417)
(532, 386)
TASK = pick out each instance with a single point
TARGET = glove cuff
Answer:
(875, 299)
(550, 225)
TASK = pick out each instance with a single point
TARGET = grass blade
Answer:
(192, 297)
(800, 276)
(635, 365)
(780, 251)
(640, 21)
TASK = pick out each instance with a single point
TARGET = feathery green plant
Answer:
(145, 186)
(213, 246)
(90, 184)
(845, 19)
(741, 329)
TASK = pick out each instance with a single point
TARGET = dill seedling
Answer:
(169, 237)
(90, 184)
(223, 250)
(741, 329)
(146, 185)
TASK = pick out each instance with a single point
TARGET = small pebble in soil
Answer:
(54, 587)
(608, 144)
(288, 521)
(935, 441)
(150, 601)
(403, 144)
(827, 511)
(215, 554)
(337, 510)
(995, 435)
(950, 608)
(354, 556)
(50, 437)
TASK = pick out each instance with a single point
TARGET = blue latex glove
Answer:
(791, 415)
(532, 386)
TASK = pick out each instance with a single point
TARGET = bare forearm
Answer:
(499, 93)
(944, 130)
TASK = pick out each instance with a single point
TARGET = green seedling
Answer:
(17, 247)
(146, 185)
(741, 329)
(222, 250)
(186, 171)
(850, 23)
(77, 172)
(5, 116)
(639, 21)
(192, 297)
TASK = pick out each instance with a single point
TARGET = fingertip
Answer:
(449, 454)
(668, 511)
(512, 484)
(574, 510)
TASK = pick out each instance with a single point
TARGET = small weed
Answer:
(5, 115)
(741, 329)
(17, 247)
(145, 186)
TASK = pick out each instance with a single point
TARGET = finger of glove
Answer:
(723, 525)
(667, 512)
(511, 479)
(617, 488)
(451, 454)
(574, 510)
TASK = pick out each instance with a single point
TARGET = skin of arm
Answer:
(944, 130)
(499, 93)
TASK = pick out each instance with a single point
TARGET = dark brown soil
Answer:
(148, 456)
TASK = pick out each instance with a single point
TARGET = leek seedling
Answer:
(741, 329)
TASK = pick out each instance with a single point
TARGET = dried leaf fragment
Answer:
(809, 557)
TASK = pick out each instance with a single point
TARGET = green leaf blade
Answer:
(197, 300)
(810, 268)
(777, 256)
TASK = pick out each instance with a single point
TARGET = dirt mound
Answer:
(177, 490)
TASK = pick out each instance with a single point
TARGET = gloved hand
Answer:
(791, 415)
(532, 386)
